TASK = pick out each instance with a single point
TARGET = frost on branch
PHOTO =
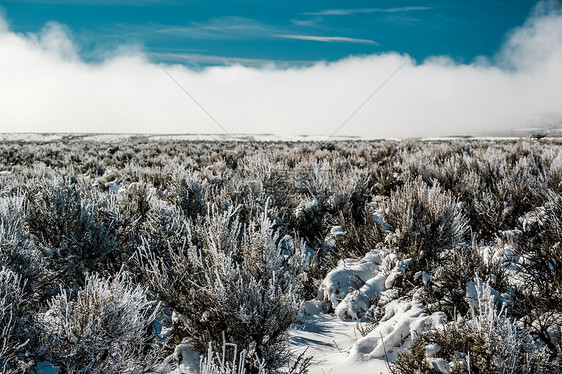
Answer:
(104, 328)
(424, 218)
(487, 340)
(12, 329)
(240, 281)
(216, 363)
(16, 251)
(66, 228)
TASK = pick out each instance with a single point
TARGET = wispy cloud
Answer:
(329, 39)
(228, 28)
(349, 12)
(306, 23)
(215, 28)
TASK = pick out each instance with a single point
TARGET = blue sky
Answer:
(291, 32)
(281, 67)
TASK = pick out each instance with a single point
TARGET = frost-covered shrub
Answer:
(386, 177)
(127, 213)
(166, 227)
(308, 220)
(12, 214)
(14, 334)
(327, 190)
(104, 328)
(247, 195)
(134, 202)
(514, 182)
(486, 341)
(444, 288)
(216, 363)
(276, 177)
(539, 295)
(497, 182)
(355, 240)
(447, 163)
(187, 190)
(16, 251)
(322, 197)
(66, 228)
(423, 219)
(22, 275)
(241, 282)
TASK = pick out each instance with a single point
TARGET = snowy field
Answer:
(116, 138)
(135, 254)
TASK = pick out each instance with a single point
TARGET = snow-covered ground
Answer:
(341, 341)
(113, 138)
(345, 340)
(359, 321)
(330, 341)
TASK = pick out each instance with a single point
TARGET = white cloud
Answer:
(46, 87)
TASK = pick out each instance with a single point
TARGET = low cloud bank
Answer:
(46, 87)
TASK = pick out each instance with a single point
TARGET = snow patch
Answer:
(403, 318)
(350, 275)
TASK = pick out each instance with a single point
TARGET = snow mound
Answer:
(356, 284)
(358, 302)
(394, 333)
(357, 288)
(349, 276)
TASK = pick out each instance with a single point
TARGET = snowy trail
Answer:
(329, 341)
